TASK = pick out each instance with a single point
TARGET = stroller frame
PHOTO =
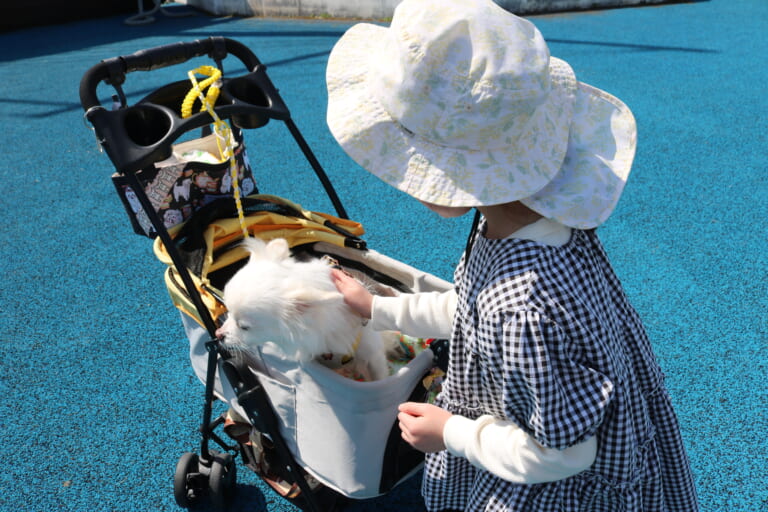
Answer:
(150, 127)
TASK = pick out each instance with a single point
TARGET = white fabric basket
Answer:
(336, 428)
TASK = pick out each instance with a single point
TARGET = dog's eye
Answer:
(243, 327)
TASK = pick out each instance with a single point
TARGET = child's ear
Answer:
(277, 249)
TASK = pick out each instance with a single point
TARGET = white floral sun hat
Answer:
(458, 103)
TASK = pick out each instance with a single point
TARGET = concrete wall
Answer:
(382, 9)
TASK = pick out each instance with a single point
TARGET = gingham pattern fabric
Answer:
(545, 337)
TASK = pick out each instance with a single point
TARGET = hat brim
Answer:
(601, 148)
(448, 176)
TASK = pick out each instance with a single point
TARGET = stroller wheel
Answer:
(222, 480)
(186, 489)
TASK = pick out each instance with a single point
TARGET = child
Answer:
(553, 400)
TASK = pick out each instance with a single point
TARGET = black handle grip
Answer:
(135, 136)
(161, 56)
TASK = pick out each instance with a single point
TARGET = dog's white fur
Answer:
(296, 305)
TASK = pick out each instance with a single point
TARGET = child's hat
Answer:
(458, 103)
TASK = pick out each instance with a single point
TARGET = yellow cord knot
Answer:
(224, 139)
(214, 75)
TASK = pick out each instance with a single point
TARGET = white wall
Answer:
(382, 9)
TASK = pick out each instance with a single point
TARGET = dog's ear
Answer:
(306, 299)
(255, 246)
(277, 249)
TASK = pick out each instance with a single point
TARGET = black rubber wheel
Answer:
(184, 490)
(222, 480)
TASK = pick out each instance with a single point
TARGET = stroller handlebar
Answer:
(114, 69)
(135, 136)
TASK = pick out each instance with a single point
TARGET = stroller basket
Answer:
(341, 431)
(277, 408)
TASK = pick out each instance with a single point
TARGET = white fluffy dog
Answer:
(296, 305)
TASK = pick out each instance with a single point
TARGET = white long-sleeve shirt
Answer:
(498, 446)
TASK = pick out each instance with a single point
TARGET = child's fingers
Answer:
(355, 295)
(341, 280)
(412, 408)
(422, 431)
(337, 276)
(406, 424)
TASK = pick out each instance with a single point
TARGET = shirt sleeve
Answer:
(423, 315)
(556, 396)
(504, 449)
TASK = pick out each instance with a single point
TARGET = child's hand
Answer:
(422, 425)
(355, 294)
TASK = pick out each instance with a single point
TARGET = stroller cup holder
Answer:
(150, 127)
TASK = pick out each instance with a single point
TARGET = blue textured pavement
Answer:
(97, 396)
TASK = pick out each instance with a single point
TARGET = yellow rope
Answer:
(224, 139)
(214, 74)
(355, 345)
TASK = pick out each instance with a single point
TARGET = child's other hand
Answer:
(355, 294)
(422, 425)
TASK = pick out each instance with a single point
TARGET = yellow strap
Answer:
(224, 138)
(222, 250)
(355, 345)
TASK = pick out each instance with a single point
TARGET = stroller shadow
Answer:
(248, 498)
(407, 498)
(251, 497)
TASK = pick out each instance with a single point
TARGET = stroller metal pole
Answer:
(213, 345)
(213, 354)
(319, 171)
(165, 237)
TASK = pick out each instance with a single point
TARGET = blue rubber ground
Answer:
(97, 397)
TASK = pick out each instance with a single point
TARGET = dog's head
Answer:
(275, 298)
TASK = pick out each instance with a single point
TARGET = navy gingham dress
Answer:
(545, 337)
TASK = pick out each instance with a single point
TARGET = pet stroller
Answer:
(314, 435)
